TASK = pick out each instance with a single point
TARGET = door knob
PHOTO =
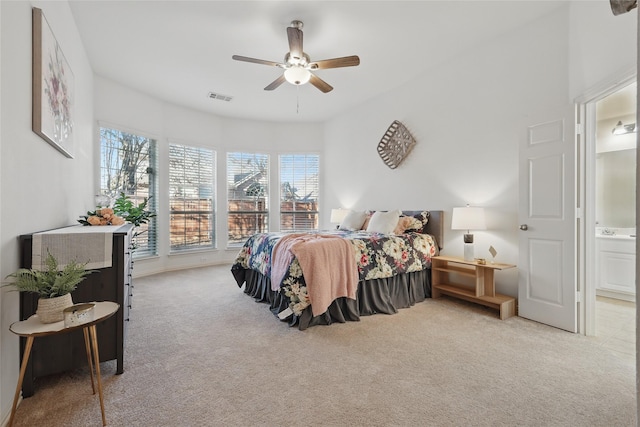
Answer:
(524, 227)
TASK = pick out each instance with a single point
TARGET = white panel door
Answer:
(547, 261)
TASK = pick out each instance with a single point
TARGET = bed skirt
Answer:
(374, 296)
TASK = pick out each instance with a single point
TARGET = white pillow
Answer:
(383, 222)
(353, 221)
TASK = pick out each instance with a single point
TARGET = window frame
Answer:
(261, 217)
(150, 229)
(281, 200)
(212, 223)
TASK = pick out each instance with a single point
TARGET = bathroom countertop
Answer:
(617, 236)
(616, 233)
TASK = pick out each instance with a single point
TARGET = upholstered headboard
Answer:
(435, 226)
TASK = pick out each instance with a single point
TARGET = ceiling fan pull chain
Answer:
(297, 99)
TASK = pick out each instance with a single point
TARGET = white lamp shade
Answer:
(337, 215)
(468, 218)
(297, 75)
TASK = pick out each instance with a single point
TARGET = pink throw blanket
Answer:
(281, 257)
(329, 267)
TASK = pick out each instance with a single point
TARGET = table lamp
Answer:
(468, 218)
(337, 216)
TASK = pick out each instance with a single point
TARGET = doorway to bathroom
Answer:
(609, 159)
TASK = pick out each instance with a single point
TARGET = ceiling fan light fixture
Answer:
(297, 64)
(297, 75)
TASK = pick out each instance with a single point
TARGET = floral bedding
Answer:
(377, 256)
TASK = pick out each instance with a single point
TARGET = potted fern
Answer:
(53, 286)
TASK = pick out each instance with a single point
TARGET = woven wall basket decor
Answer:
(395, 145)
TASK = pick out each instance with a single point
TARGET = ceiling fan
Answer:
(298, 66)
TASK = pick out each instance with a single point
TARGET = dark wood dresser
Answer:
(64, 352)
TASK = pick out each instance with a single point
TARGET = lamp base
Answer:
(468, 251)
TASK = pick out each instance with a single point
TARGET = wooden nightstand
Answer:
(485, 288)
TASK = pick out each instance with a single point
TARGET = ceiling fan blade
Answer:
(619, 7)
(345, 61)
(320, 84)
(256, 61)
(295, 42)
(277, 82)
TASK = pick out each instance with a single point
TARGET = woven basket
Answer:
(51, 310)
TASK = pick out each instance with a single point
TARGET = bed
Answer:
(287, 271)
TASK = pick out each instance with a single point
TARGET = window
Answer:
(191, 197)
(299, 192)
(127, 165)
(248, 195)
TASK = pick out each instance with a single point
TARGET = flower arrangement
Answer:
(101, 216)
(123, 211)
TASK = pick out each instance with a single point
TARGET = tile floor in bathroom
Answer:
(616, 326)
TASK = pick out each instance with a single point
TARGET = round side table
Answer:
(32, 328)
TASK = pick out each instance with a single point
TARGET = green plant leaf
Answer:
(137, 215)
(51, 282)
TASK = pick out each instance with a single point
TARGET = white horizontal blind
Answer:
(299, 189)
(191, 197)
(247, 195)
(128, 165)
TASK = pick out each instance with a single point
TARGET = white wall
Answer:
(467, 116)
(601, 44)
(2, 370)
(40, 187)
(127, 109)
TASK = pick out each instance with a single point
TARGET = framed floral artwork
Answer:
(53, 88)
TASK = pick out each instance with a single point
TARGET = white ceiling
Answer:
(179, 51)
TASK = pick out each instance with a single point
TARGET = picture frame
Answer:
(53, 88)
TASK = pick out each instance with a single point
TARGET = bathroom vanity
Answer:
(616, 264)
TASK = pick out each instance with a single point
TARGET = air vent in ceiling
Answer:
(220, 97)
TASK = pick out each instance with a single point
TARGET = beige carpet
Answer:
(202, 353)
